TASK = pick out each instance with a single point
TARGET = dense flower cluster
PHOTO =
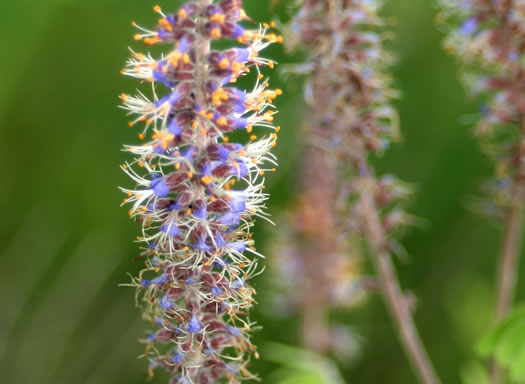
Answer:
(197, 193)
(350, 117)
(488, 36)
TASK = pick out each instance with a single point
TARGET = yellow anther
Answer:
(270, 64)
(182, 13)
(215, 33)
(186, 58)
(130, 194)
(195, 124)
(272, 24)
(130, 212)
(253, 137)
(130, 124)
(207, 180)
(261, 173)
(277, 129)
(226, 139)
(249, 128)
(188, 211)
(224, 63)
(157, 9)
(177, 166)
(190, 175)
(124, 97)
(242, 152)
(141, 136)
(137, 36)
(218, 18)
(222, 120)
(279, 92)
(141, 164)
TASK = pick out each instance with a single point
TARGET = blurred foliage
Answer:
(65, 245)
(300, 366)
(506, 342)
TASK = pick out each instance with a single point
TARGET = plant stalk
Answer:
(510, 251)
(393, 295)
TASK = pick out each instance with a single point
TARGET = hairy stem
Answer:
(394, 297)
(510, 251)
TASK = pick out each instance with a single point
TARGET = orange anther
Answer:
(215, 33)
(157, 9)
(182, 13)
(206, 180)
(224, 63)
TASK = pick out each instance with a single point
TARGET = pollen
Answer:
(206, 180)
(215, 33)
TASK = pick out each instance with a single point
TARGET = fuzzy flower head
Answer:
(487, 37)
(350, 118)
(195, 193)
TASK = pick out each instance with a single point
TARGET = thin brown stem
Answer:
(393, 295)
(510, 251)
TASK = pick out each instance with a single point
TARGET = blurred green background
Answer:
(65, 244)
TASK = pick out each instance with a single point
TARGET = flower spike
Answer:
(195, 193)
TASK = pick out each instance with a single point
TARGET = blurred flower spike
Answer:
(350, 117)
(196, 193)
(487, 37)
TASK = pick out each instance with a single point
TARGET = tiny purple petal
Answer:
(194, 326)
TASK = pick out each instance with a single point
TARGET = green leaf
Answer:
(301, 366)
(492, 339)
(506, 343)
(474, 373)
(511, 342)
